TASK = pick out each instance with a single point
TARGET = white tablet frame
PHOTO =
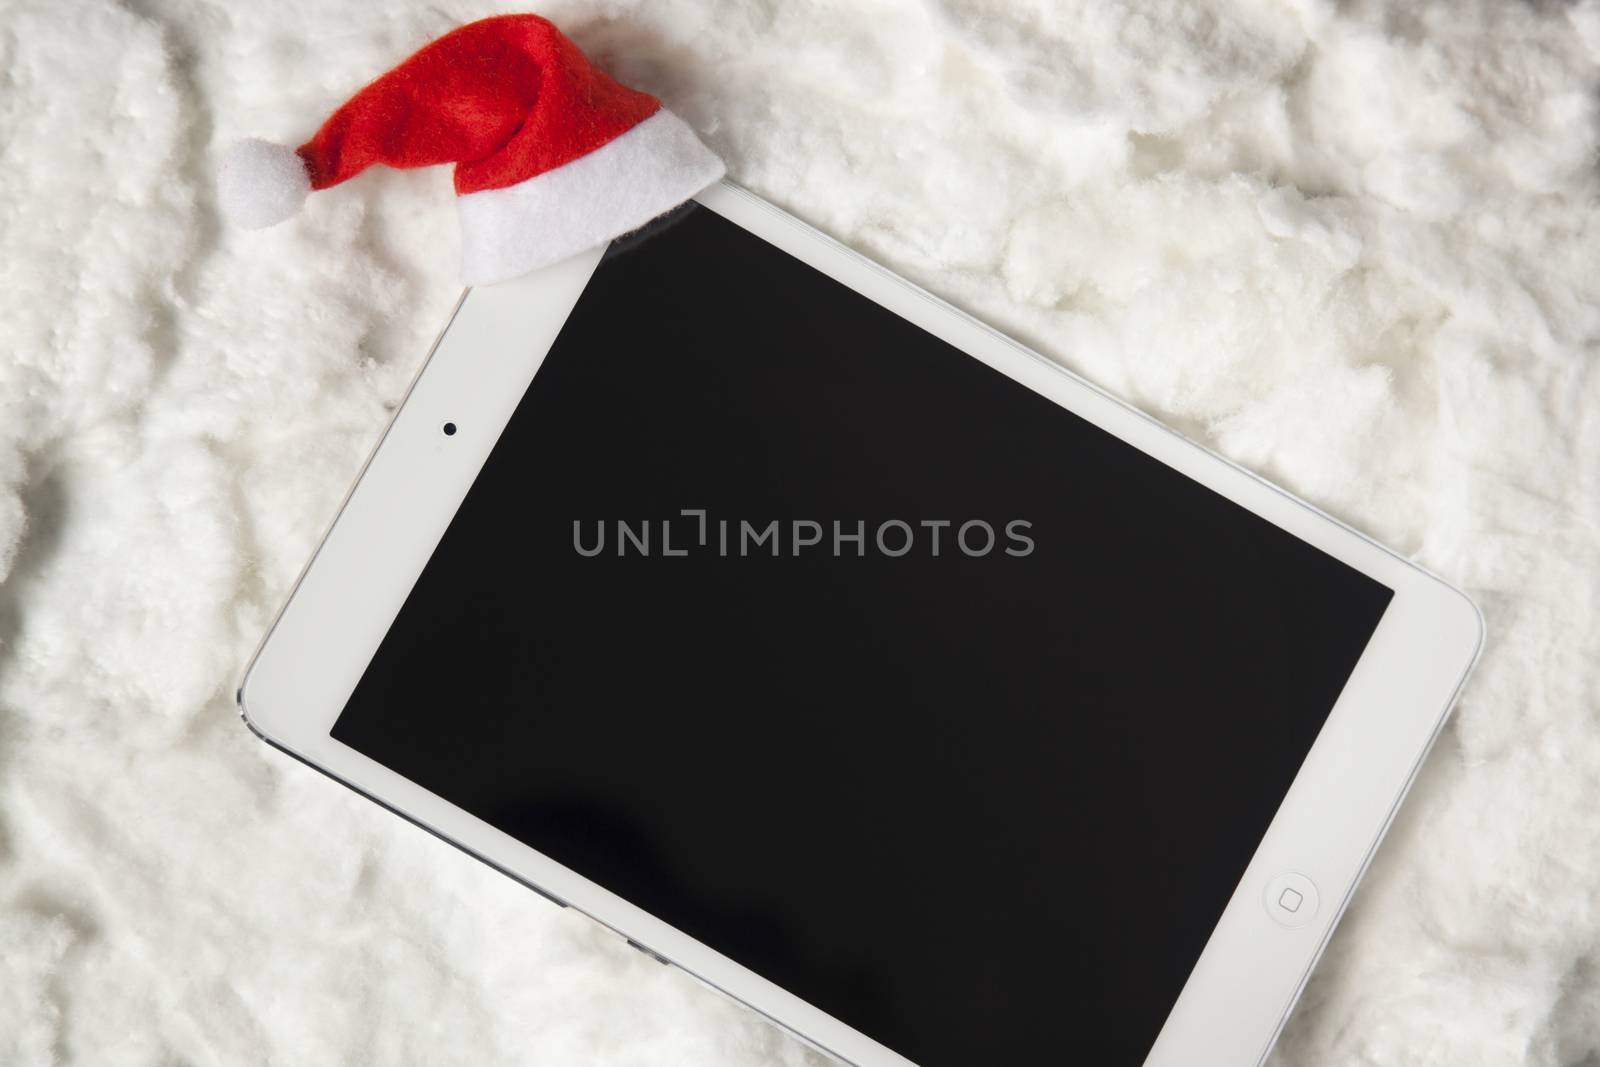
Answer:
(1252, 969)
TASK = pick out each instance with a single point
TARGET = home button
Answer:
(1291, 900)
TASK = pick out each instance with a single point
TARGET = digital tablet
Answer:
(863, 664)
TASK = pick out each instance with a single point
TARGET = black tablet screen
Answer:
(843, 653)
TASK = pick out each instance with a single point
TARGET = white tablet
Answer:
(863, 664)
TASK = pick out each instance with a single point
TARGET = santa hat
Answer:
(552, 156)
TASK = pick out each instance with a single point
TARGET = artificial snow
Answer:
(1351, 245)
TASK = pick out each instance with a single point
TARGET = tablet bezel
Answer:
(1329, 823)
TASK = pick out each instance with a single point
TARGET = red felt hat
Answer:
(552, 156)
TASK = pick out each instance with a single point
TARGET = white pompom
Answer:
(261, 184)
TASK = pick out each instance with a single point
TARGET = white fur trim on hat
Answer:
(620, 186)
(260, 183)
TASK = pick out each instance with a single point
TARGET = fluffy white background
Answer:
(1352, 245)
